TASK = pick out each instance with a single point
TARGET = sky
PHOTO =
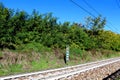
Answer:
(65, 10)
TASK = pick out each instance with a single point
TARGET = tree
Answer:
(78, 37)
(5, 30)
(95, 24)
(108, 40)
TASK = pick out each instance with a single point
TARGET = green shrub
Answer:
(76, 51)
(33, 46)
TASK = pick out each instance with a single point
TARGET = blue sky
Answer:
(65, 10)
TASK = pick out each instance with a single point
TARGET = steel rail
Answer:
(65, 68)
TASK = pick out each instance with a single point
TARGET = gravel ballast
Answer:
(100, 73)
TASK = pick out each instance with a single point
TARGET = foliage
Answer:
(109, 40)
(31, 34)
(18, 30)
(95, 24)
(33, 46)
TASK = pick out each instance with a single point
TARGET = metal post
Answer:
(67, 54)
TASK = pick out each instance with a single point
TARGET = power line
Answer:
(99, 13)
(91, 7)
(113, 26)
(90, 12)
(82, 8)
(87, 10)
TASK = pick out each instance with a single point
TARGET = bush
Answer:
(33, 46)
(76, 51)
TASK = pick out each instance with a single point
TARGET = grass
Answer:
(12, 69)
(1, 54)
(33, 59)
(39, 65)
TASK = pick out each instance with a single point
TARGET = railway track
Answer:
(61, 73)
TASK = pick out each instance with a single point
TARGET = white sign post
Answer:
(67, 53)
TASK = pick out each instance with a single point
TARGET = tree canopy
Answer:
(18, 28)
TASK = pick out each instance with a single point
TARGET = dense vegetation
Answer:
(18, 28)
(31, 42)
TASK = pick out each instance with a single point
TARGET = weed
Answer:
(1, 54)
(13, 62)
(33, 46)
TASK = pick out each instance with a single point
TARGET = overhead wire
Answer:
(82, 8)
(90, 12)
(94, 10)
(99, 14)
(91, 7)
(113, 26)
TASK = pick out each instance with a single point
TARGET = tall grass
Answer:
(34, 57)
